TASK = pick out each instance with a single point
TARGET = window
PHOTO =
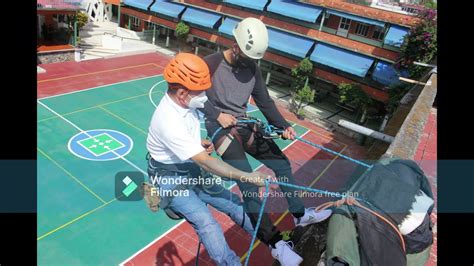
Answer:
(410, 10)
(135, 21)
(345, 23)
(378, 33)
(149, 25)
(362, 29)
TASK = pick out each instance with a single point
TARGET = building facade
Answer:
(346, 42)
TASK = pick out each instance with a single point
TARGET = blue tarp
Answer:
(395, 35)
(386, 74)
(141, 4)
(341, 59)
(289, 43)
(200, 17)
(357, 18)
(295, 10)
(166, 8)
(252, 4)
(228, 25)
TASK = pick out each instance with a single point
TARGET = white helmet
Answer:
(252, 37)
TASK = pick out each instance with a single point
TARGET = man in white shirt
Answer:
(177, 155)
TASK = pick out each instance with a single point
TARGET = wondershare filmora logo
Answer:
(127, 186)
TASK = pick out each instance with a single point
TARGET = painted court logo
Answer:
(126, 186)
(100, 145)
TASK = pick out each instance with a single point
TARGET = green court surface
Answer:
(80, 222)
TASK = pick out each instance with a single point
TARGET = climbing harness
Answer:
(272, 132)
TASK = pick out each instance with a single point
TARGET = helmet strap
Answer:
(235, 53)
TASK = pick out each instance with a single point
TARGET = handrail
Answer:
(115, 35)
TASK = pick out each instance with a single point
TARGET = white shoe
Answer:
(322, 259)
(311, 216)
(283, 252)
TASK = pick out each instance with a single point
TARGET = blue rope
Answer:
(270, 130)
(265, 197)
(333, 152)
(325, 192)
(259, 220)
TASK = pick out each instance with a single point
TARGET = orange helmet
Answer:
(188, 70)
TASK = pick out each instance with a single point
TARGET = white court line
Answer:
(152, 242)
(93, 88)
(172, 228)
(151, 91)
(82, 131)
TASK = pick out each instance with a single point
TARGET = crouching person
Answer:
(177, 155)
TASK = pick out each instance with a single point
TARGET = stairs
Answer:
(91, 40)
(98, 52)
(98, 28)
(93, 48)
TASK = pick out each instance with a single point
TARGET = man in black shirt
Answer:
(236, 77)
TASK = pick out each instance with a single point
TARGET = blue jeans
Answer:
(192, 206)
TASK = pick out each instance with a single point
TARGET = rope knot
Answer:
(350, 200)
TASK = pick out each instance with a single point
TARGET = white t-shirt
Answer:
(174, 135)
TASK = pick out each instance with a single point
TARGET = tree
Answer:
(82, 20)
(420, 44)
(299, 88)
(352, 94)
(181, 31)
(430, 4)
(396, 93)
(303, 96)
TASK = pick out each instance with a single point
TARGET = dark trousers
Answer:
(268, 153)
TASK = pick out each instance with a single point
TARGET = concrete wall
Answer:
(407, 123)
(56, 56)
(121, 32)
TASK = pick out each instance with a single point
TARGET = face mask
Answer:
(245, 62)
(197, 101)
(240, 61)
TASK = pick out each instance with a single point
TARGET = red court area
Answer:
(72, 76)
(311, 167)
(426, 157)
